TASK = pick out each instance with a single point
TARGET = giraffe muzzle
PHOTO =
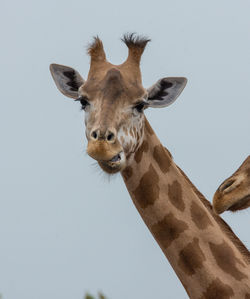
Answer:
(109, 156)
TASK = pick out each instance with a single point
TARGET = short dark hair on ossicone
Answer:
(133, 40)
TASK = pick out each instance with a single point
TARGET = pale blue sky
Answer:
(65, 229)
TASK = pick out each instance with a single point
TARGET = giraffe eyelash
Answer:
(140, 106)
(84, 102)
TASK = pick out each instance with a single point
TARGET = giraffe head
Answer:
(234, 193)
(114, 100)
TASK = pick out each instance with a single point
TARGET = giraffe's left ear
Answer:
(165, 91)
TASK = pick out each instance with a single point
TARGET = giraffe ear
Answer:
(165, 91)
(67, 80)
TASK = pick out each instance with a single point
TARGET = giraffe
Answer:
(234, 193)
(209, 260)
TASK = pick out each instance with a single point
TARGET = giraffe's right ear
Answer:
(67, 80)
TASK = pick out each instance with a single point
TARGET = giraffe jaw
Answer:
(241, 204)
(115, 164)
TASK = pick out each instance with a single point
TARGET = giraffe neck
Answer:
(203, 256)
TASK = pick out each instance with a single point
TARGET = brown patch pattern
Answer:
(169, 153)
(199, 216)
(148, 190)
(127, 172)
(162, 158)
(175, 195)
(168, 230)
(191, 257)
(223, 225)
(148, 128)
(217, 289)
(143, 148)
(247, 296)
(226, 259)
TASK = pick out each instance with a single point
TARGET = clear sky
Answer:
(64, 228)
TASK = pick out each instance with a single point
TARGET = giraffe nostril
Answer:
(94, 135)
(110, 136)
(226, 185)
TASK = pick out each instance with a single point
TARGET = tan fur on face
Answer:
(234, 193)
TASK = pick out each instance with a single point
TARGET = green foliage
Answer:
(100, 296)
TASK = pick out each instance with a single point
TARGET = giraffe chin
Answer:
(242, 204)
(114, 165)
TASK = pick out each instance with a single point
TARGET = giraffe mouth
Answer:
(115, 159)
(240, 205)
(113, 165)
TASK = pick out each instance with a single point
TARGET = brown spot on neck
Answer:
(175, 195)
(127, 173)
(148, 128)
(199, 216)
(226, 259)
(168, 229)
(191, 257)
(247, 296)
(217, 289)
(148, 190)
(223, 225)
(162, 158)
(170, 155)
(143, 148)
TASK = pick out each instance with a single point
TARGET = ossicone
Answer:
(136, 45)
(96, 50)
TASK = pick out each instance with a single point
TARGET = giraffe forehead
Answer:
(113, 86)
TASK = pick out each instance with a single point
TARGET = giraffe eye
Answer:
(139, 107)
(84, 101)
